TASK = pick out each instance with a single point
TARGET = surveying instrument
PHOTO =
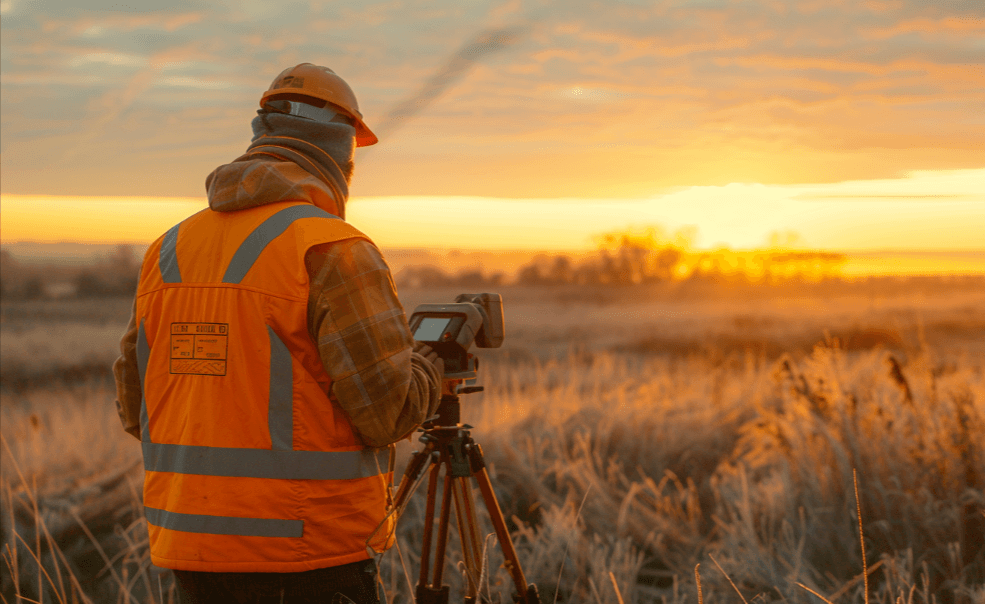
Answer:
(450, 329)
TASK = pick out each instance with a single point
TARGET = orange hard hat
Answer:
(307, 80)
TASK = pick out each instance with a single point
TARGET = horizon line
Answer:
(714, 248)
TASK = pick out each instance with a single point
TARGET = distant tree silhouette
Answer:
(89, 285)
(33, 289)
(622, 259)
(429, 276)
(562, 271)
(123, 269)
(8, 272)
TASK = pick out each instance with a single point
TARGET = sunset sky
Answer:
(857, 124)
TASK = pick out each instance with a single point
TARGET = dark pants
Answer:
(354, 582)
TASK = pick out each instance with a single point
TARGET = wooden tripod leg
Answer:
(428, 525)
(512, 562)
(439, 552)
(417, 464)
(469, 533)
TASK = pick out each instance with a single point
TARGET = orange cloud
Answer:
(615, 98)
(971, 25)
(120, 22)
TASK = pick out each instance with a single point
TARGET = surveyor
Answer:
(268, 366)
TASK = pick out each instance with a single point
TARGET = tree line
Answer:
(651, 256)
(114, 274)
(620, 259)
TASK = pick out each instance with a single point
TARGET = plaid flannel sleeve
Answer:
(365, 344)
(127, 376)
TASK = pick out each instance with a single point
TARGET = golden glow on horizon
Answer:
(873, 264)
(926, 210)
(53, 218)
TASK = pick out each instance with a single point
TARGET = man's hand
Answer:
(447, 386)
(428, 353)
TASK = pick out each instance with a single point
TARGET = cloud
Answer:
(189, 82)
(98, 26)
(590, 94)
(906, 197)
(618, 90)
(967, 25)
(107, 58)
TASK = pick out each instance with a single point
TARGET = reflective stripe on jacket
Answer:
(249, 465)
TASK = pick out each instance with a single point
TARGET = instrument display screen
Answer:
(431, 328)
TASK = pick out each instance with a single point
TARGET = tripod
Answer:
(448, 444)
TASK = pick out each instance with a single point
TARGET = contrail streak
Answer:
(484, 44)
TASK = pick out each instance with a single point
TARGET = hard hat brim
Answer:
(364, 136)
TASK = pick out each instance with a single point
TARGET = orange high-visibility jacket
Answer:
(249, 465)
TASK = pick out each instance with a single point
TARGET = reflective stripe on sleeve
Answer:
(280, 409)
(264, 463)
(270, 229)
(224, 525)
(143, 354)
(168, 256)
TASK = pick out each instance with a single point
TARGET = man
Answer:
(267, 365)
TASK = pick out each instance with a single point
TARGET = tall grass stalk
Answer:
(861, 532)
(731, 582)
(697, 583)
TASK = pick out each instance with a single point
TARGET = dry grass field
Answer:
(638, 439)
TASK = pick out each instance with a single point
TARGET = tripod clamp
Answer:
(448, 444)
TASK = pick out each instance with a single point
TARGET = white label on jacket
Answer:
(199, 348)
